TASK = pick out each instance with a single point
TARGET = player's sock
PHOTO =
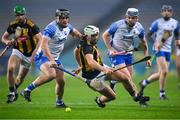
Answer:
(162, 92)
(30, 87)
(145, 82)
(12, 89)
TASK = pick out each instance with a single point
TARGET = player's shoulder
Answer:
(84, 43)
(138, 25)
(174, 20)
(120, 22)
(52, 26)
(30, 22)
(14, 22)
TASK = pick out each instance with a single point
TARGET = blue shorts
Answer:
(167, 55)
(120, 59)
(39, 60)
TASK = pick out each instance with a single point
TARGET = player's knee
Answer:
(10, 70)
(51, 75)
(164, 72)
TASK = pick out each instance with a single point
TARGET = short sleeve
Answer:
(49, 31)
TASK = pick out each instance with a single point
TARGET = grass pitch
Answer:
(81, 100)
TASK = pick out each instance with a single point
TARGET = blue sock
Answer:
(31, 87)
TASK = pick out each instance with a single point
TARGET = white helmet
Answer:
(132, 12)
(91, 30)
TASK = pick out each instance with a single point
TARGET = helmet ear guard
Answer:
(91, 30)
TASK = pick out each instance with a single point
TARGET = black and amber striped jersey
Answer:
(87, 48)
(24, 33)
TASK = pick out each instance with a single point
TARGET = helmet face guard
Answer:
(166, 8)
(62, 13)
(19, 10)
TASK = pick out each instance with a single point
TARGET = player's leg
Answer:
(113, 82)
(100, 86)
(13, 63)
(107, 95)
(178, 66)
(150, 79)
(23, 70)
(116, 61)
(154, 77)
(21, 75)
(125, 77)
(59, 89)
(163, 66)
(47, 75)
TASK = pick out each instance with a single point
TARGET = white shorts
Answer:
(177, 52)
(25, 61)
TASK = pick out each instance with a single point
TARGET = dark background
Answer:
(100, 13)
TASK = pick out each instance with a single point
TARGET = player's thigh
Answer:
(122, 74)
(162, 64)
(14, 61)
(178, 61)
(47, 70)
(130, 69)
(22, 72)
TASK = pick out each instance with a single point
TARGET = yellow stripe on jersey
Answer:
(29, 22)
(34, 40)
(28, 44)
(98, 58)
(85, 61)
(20, 46)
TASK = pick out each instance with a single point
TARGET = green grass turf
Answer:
(81, 99)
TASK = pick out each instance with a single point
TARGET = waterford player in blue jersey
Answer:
(164, 28)
(47, 56)
(119, 37)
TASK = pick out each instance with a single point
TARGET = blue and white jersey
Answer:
(159, 26)
(123, 36)
(56, 36)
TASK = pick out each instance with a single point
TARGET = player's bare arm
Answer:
(39, 40)
(6, 40)
(77, 57)
(94, 65)
(45, 48)
(76, 34)
(106, 37)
